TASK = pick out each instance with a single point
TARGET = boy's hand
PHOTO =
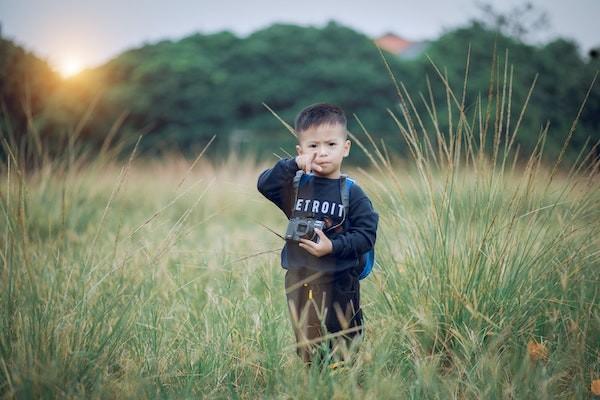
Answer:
(320, 249)
(307, 162)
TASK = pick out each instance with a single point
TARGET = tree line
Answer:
(180, 93)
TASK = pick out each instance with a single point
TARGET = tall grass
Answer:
(156, 279)
(488, 256)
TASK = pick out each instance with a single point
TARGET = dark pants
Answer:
(325, 311)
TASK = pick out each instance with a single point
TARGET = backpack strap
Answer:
(345, 185)
(369, 256)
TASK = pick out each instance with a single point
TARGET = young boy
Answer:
(322, 277)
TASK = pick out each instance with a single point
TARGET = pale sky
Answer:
(90, 32)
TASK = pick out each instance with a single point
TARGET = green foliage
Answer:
(26, 84)
(181, 93)
(562, 82)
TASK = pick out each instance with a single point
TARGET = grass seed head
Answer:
(537, 351)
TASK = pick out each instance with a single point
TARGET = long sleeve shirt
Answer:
(320, 197)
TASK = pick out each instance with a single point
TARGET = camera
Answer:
(303, 228)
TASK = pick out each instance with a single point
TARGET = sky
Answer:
(72, 34)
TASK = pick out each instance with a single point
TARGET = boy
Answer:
(322, 277)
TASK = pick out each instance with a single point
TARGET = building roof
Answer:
(393, 43)
(403, 48)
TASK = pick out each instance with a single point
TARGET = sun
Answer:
(70, 66)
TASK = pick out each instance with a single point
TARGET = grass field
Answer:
(148, 279)
(122, 282)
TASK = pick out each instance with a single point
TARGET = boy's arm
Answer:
(361, 235)
(276, 184)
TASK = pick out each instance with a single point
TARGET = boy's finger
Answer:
(317, 167)
(307, 243)
(306, 166)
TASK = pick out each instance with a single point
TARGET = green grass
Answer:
(156, 278)
(176, 309)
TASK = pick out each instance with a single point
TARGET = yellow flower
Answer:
(537, 351)
(596, 387)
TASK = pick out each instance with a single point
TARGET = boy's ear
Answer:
(299, 150)
(347, 146)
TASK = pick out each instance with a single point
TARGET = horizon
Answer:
(85, 42)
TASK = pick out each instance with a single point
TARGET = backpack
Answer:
(345, 185)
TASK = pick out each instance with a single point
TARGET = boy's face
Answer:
(330, 144)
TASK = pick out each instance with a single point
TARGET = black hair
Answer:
(319, 114)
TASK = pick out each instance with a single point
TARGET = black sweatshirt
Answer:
(322, 197)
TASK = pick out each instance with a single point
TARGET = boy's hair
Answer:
(319, 114)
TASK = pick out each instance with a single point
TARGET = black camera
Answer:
(303, 228)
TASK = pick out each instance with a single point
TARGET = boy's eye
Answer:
(332, 144)
(312, 146)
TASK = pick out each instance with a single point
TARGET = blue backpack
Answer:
(345, 185)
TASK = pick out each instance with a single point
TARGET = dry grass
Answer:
(156, 279)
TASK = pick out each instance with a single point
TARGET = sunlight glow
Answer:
(70, 66)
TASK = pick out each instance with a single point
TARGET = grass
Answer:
(156, 278)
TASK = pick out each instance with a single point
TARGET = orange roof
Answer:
(392, 43)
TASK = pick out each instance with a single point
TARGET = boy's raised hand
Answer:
(320, 249)
(307, 163)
